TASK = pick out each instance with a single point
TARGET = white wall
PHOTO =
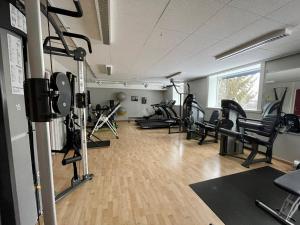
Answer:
(134, 109)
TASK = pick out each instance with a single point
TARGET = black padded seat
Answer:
(251, 138)
(290, 182)
(209, 128)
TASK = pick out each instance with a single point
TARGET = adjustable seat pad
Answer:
(290, 182)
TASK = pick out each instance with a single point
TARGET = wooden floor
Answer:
(143, 178)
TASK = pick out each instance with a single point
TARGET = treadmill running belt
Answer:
(232, 198)
(154, 125)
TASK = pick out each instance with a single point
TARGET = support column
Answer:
(82, 119)
(37, 69)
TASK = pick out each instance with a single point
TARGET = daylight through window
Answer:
(240, 85)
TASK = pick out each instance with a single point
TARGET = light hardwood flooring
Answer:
(143, 179)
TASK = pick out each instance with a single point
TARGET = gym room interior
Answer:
(149, 112)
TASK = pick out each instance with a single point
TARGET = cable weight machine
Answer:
(43, 96)
(179, 122)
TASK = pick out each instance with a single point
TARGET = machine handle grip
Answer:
(77, 13)
(79, 36)
(57, 51)
(71, 160)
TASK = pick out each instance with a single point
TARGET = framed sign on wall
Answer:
(144, 100)
(134, 98)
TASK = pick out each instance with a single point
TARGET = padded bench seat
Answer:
(206, 125)
(290, 182)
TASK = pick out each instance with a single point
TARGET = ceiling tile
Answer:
(187, 15)
(139, 49)
(261, 7)
(289, 14)
(260, 27)
(139, 8)
(159, 43)
(228, 21)
(165, 39)
(192, 45)
(127, 28)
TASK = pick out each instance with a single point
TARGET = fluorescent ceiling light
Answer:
(257, 42)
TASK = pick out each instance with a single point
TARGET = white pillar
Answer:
(37, 69)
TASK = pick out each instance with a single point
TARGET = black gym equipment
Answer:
(232, 197)
(290, 206)
(157, 115)
(46, 99)
(94, 141)
(193, 113)
(209, 128)
(179, 121)
(58, 95)
(170, 113)
(105, 117)
(194, 124)
(291, 122)
(19, 196)
(237, 131)
(73, 142)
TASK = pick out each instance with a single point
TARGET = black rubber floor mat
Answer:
(232, 198)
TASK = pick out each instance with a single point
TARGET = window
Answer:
(240, 85)
(175, 95)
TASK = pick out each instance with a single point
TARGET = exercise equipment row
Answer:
(237, 132)
(163, 114)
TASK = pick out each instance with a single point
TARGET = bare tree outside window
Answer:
(240, 85)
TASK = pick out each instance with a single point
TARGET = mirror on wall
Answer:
(280, 74)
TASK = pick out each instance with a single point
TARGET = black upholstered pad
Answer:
(290, 182)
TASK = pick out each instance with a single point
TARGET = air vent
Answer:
(103, 16)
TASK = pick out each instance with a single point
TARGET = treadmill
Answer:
(159, 114)
(162, 123)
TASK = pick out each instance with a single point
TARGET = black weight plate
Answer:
(62, 102)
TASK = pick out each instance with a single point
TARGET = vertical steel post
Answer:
(82, 120)
(37, 69)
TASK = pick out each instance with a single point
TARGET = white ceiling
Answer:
(153, 38)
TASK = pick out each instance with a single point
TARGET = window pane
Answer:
(176, 96)
(240, 85)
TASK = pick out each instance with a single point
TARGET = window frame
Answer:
(182, 96)
(260, 88)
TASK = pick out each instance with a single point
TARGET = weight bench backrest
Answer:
(214, 117)
(271, 117)
(232, 110)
